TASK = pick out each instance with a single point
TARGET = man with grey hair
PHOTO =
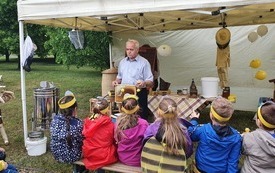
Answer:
(136, 70)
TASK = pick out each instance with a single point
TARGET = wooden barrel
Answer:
(107, 77)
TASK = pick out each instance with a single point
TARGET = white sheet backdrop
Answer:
(194, 55)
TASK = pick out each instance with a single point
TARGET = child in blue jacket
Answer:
(4, 166)
(66, 131)
(219, 145)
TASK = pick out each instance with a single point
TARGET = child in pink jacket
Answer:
(129, 132)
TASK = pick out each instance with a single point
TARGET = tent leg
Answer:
(110, 55)
(23, 86)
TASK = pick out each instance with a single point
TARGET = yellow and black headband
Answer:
(68, 104)
(263, 121)
(130, 96)
(217, 116)
(135, 109)
(105, 111)
(129, 112)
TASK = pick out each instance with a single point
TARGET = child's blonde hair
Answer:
(170, 129)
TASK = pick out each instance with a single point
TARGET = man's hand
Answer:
(114, 83)
(140, 84)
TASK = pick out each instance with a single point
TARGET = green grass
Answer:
(85, 83)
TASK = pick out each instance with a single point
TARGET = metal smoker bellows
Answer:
(45, 106)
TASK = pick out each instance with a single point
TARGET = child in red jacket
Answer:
(98, 130)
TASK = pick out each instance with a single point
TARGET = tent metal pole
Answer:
(23, 85)
(110, 55)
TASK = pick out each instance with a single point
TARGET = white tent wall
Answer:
(194, 56)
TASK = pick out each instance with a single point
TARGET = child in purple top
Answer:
(129, 132)
(168, 127)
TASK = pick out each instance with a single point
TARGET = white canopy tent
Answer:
(152, 21)
(149, 15)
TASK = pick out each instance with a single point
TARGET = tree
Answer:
(38, 34)
(9, 37)
(94, 54)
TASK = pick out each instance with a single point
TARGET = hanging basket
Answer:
(77, 38)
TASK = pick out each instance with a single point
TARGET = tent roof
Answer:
(149, 15)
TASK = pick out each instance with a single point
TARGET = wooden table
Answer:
(185, 105)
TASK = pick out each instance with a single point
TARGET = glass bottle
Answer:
(193, 90)
(226, 92)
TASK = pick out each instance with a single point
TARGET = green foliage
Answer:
(9, 31)
(9, 37)
(52, 41)
(94, 54)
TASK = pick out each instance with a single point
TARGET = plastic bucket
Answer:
(36, 147)
(209, 86)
